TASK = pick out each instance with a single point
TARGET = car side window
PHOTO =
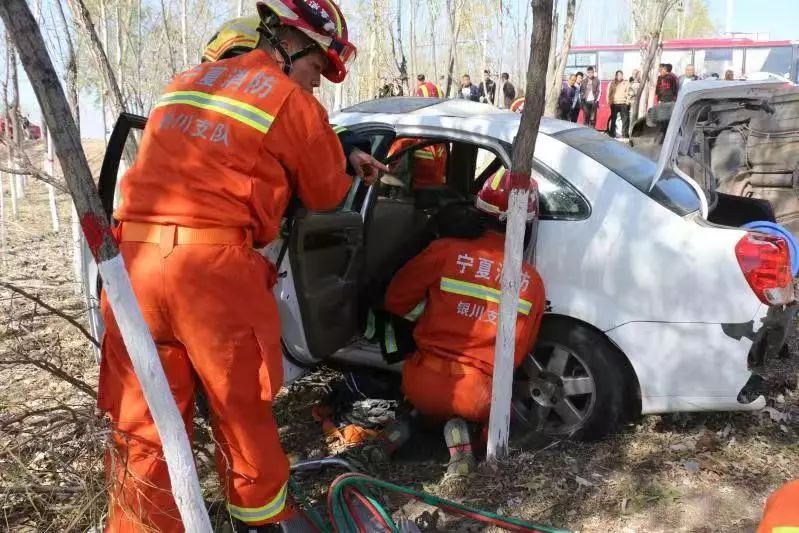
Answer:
(558, 199)
(357, 192)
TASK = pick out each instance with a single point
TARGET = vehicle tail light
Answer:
(766, 264)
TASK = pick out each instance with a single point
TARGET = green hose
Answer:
(344, 521)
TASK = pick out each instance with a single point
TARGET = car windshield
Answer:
(671, 191)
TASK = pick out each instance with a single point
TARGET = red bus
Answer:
(709, 56)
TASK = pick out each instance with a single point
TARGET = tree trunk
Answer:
(50, 169)
(7, 130)
(401, 61)
(453, 6)
(435, 61)
(651, 23)
(499, 96)
(12, 182)
(177, 451)
(553, 58)
(2, 223)
(184, 35)
(521, 166)
(164, 18)
(72, 72)
(2, 187)
(240, 9)
(81, 14)
(139, 52)
(104, 90)
(412, 36)
(119, 49)
(16, 126)
(556, 81)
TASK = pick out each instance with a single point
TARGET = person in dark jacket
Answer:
(589, 95)
(566, 100)
(668, 85)
(508, 91)
(577, 104)
(468, 90)
(488, 89)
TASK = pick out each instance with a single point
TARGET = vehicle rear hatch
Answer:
(738, 138)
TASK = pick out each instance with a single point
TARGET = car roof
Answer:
(415, 112)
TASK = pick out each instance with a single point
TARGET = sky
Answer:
(598, 22)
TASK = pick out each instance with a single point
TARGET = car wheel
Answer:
(571, 385)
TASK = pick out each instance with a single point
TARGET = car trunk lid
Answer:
(698, 101)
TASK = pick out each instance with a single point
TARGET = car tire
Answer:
(573, 385)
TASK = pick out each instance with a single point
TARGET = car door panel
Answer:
(326, 253)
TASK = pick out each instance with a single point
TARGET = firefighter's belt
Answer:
(167, 236)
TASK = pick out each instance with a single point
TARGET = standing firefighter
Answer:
(224, 150)
(455, 283)
(239, 36)
(427, 88)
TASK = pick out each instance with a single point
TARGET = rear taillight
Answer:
(766, 264)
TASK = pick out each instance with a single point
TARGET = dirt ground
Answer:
(688, 473)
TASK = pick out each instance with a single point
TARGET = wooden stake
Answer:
(185, 486)
(50, 169)
(12, 182)
(521, 166)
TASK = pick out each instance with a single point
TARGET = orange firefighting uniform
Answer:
(428, 164)
(458, 283)
(224, 150)
(781, 514)
(429, 89)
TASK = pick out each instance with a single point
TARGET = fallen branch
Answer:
(40, 489)
(55, 371)
(10, 420)
(52, 309)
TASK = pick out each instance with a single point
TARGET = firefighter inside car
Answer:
(451, 292)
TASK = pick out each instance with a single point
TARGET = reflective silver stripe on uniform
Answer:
(239, 111)
(259, 514)
(483, 292)
(370, 325)
(390, 338)
(416, 312)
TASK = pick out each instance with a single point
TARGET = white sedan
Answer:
(651, 308)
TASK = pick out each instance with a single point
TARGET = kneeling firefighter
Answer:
(455, 285)
(225, 149)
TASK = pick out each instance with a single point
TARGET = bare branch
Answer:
(52, 309)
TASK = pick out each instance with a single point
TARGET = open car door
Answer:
(326, 255)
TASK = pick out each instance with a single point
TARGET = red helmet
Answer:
(493, 197)
(518, 105)
(323, 22)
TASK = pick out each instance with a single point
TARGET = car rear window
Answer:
(671, 191)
